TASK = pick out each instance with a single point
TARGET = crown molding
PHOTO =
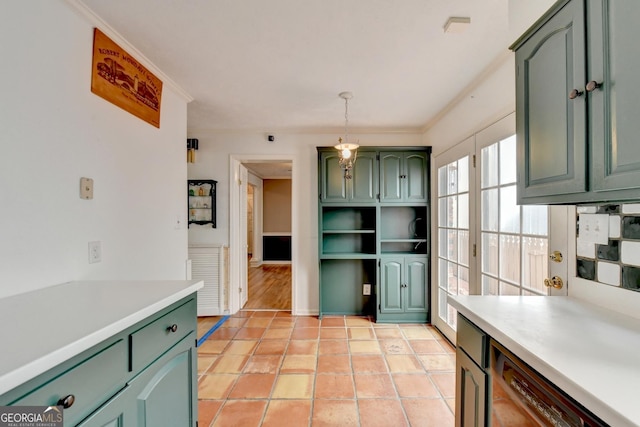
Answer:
(97, 21)
(306, 131)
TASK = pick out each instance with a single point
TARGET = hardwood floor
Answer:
(269, 287)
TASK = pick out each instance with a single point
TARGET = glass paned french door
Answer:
(453, 235)
(514, 239)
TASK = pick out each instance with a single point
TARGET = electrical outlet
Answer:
(95, 252)
(366, 289)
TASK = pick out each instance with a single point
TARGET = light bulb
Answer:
(346, 153)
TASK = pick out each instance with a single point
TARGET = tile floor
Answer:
(268, 368)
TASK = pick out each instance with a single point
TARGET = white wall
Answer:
(53, 131)
(213, 163)
(492, 98)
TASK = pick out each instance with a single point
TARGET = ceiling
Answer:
(270, 170)
(278, 65)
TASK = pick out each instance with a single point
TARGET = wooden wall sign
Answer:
(117, 77)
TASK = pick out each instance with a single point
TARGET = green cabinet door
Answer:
(333, 186)
(166, 391)
(120, 411)
(415, 281)
(391, 285)
(403, 177)
(471, 392)
(615, 107)
(416, 189)
(403, 286)
(361, 188)
(551, 127)
(391, 177)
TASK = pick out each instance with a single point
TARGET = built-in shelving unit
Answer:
(367, 239)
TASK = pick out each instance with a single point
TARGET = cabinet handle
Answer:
(67, 401)
(575, 93)
(592, 85)
(172, 328)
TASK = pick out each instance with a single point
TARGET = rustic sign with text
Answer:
(117, 77)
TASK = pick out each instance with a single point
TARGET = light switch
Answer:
(86, 188)
(594, 228)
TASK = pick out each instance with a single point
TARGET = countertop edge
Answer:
(593, 403)
(39, 366)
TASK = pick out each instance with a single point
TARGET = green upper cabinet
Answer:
(551, 123)
(615, 105)
(577, 104)
(361, 188)
(403, 177)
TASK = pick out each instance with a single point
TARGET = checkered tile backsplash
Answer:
(618, 262)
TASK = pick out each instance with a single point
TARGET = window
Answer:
(514, 242)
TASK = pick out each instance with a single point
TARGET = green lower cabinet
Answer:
(166, 390)
(118, 412)
(403, 289)
(145, 375)
(163, 394)
(471, 392)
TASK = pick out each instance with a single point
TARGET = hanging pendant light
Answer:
(348, 150)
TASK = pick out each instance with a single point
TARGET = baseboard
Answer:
(276, 262)
(255, 263)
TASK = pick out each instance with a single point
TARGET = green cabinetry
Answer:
(472, 379)
(403, 178)
(361, 234)
(577, 104)
(403, 292)
(362, 187)
(142, 376)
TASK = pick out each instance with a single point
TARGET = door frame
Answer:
(237, 249)
(463, 149)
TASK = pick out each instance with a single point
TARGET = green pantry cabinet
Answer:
(578, 104)
(373, 229)
(143, 376)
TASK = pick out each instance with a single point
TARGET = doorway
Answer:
(269, 276)
(263, 281)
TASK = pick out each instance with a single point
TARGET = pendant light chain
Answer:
(346, 120)
(347, 151)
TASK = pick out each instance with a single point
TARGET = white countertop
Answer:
(591, 353)
(46, 327)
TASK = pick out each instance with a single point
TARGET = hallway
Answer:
(269, 287)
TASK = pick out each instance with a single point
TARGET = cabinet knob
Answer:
(575, 93)
(67, 401)
(593, 85)
(172, 328)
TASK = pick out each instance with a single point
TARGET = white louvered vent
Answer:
(208, 263)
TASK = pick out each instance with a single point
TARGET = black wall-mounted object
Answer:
(192, 144)
(201, 202)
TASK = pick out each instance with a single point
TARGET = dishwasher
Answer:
(521, 397)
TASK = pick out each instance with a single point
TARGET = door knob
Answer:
(555, 282)
(556, 256)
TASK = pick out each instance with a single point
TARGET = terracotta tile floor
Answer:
(268, 368)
